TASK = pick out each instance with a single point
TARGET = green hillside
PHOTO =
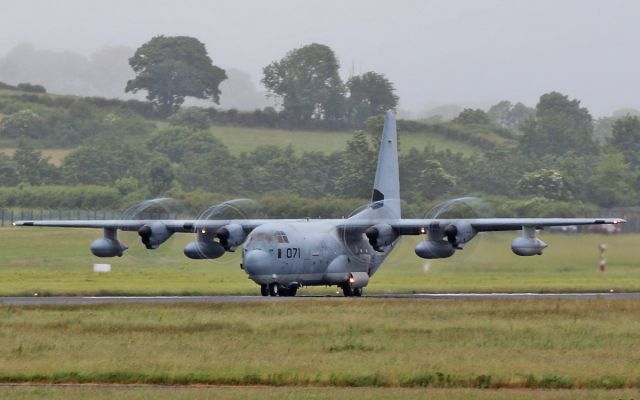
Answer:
(137, 127)
(240, 139)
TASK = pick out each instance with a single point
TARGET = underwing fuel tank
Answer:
(107, 247)
(528, 244)
(199, 250)
(435, 249)
(525, 246)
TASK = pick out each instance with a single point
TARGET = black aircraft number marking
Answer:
(293, 252)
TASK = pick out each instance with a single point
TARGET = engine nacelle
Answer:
(381, 236)
(231, 236)
(435, 249)
(358, 279)
(199, 250)
(527, 246)
(459, 233)
(154, 234)
(107, 247)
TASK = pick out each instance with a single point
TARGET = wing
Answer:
(421, 226)
(214, 237)
(172, 225)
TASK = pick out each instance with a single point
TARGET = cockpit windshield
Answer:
(275, 237)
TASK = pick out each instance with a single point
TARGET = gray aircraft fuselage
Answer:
(308, 253)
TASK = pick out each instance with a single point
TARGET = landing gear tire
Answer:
(292, 290)
(264, 290)
(349, 291)
(274, 289)
(284, 291)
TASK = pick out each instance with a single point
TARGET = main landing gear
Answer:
(274, 289)
(349, 291)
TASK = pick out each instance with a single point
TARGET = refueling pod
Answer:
(109, 245)
(528, 244)
(204, 247)
(435, 249)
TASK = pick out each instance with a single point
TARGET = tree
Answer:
(369, 94)
(358, 168)
(435, 181)
(548, 183)
(88, 166)
(32, 168)
(172, 68)
(560, 126)
(159, 176)
(611, 185)
(470, 116)
(308, 83)
(510, 116)
(626, 139)
(8, 172)
(21, 125)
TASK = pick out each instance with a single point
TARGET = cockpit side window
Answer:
(281, 237)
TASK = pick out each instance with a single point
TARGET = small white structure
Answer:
(101, 267)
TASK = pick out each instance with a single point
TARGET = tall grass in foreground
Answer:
(550, 344)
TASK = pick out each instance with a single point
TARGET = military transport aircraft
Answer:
(283, 255)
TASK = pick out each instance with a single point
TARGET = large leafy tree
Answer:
(358, 168)
(308, 83)
(544, 182)
(510, 116)
(172, 68)
(611, 185)
(560, 126)
(626, 139)
(369, 94)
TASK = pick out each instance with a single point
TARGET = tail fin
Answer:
(386, 187)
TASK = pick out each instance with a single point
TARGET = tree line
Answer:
(553, 158)
(306, 82)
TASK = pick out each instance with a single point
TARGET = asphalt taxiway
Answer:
(37, 300)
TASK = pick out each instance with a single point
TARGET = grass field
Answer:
(56, 156)
(240, 139)
(463, 344)
(57, 261)
(326, 348)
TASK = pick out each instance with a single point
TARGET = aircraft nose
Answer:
(257, 262)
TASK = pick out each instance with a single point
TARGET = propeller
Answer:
(355, 239)
(460, 207)
(226, 212)
(139, 242)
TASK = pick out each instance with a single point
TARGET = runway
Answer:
(259, 299)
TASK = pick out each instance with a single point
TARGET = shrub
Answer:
(28, 87)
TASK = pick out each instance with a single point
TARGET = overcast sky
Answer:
(436, 52)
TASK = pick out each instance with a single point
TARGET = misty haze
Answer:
(438, 53)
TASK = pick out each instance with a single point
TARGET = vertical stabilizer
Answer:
(386, 187)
